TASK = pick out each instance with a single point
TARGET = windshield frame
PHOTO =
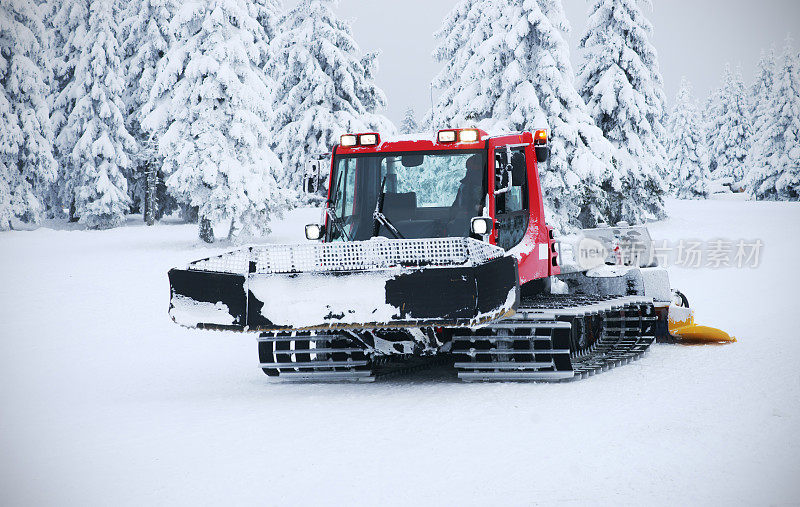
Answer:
(338, 157)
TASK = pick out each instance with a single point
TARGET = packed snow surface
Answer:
(106, 401)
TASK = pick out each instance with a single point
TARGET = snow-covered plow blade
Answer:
(356, 285)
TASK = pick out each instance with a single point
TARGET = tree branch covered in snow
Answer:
(507, 68)
(325, 87)
(775, 164)
(729, 128)
(93, 143)
(686, 147)
(409, 124)
(213, 107)
(623, 89)
(146, 38)
(27, 166)
(209, 107)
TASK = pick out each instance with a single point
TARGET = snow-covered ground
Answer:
(106, 401)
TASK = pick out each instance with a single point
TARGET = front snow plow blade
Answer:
(682, 327)
(355, 285)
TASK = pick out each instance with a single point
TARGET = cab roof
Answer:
(427, 141)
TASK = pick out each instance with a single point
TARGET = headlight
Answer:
(313, 232)
(368, 139)
(447, 136)
(481, 226)
(469, 136)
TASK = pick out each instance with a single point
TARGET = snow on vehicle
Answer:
(437, 250)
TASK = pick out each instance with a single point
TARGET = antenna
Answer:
(433, 113)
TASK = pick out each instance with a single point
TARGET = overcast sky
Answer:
(694, 38)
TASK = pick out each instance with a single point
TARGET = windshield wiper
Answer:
(380, 218)
(337, 222)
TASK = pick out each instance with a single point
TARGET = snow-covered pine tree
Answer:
(371, 96)
(67, 22)
(93, 141)
(409, 124)
(761, 102)
(209, 107)
(146, 39)
(777, 177)
(538, 90)
(580, 182)
(622, 86)
(686, 147)
(507, 68)
(729, 129)
(469, 47)
(762, 88)
(325, 87)
(711, 108)
(27, 166)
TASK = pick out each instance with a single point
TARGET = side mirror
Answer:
(313, 232)
(412, 160)
(315, 175)
(310, 184)
(504, 172)
(481, 226)
(542, 153)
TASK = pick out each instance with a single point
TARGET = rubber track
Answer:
(550, 338)
(289, 356)
(603, 332)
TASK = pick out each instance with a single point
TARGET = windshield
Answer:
(427, 194)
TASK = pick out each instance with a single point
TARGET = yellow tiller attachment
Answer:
(682, 326)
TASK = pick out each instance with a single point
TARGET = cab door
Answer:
(512, 206)
(515, 203)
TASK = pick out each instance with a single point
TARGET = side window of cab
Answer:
(511, 205)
